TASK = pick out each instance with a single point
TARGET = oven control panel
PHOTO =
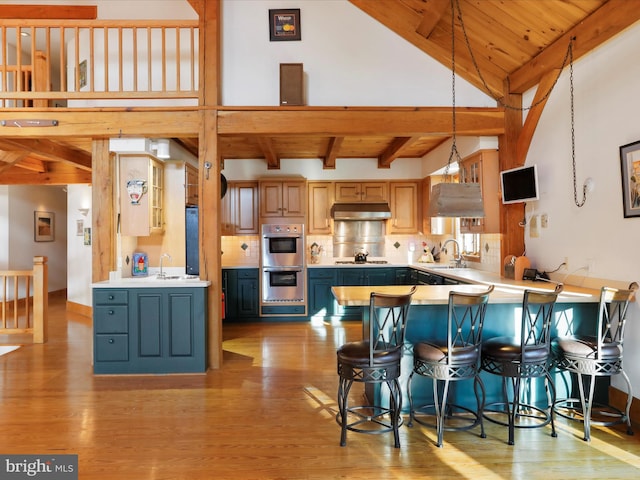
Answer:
(278, 229)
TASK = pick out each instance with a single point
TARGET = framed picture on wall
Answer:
(630, 168)
(284, 24)
(43, 226)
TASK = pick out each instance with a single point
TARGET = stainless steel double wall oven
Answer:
(282, 265)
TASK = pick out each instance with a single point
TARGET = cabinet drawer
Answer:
(321, 273)
(112, 348)
(248, 273)
(109, 297)
(111, 319)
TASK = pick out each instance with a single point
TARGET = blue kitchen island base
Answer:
(150, 330)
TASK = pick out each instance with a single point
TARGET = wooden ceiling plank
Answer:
(609, 20)
(270, 154)
(333, 149)
(433, 12)
(33, 165)
(49, 12)
(394, 150)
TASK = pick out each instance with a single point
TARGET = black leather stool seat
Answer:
(434, 353)
(586, 347)
(509, 349)
(357, 354)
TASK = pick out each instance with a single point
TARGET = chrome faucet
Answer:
(164, 255)
(459, 260)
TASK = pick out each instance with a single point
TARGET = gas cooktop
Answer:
(353, 262)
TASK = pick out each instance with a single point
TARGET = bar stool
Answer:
(596, 355)
(523, 357)
(375, 360)
(453, 359)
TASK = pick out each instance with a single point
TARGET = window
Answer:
(470, 243)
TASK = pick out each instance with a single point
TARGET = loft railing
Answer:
(24, 301)
(78, 61)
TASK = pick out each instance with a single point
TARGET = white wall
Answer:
(348, 57)
(4, 227)
(23, 202)
(79, 259)
(606, 105)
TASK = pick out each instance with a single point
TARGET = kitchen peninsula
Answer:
(150, 325)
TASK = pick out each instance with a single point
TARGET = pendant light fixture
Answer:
(449, 199)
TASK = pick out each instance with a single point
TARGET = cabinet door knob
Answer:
(111, 297)
(111, 340)
(111, 312)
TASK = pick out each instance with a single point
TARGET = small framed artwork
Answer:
(43, 226)
(630, 167)
(87, 236)
(284, 24)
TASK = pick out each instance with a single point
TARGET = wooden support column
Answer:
(40, 299)
(512, 242)
(102, 201)
(209, 176)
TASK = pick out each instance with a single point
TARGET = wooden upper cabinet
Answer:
(405, 207)
(321, 198)
(283, 198)
(482, 167)
(144, 216)
(246, 208)
(191, 184)
(369, 192)
(239, 209)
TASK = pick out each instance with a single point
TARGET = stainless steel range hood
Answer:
(360, 211)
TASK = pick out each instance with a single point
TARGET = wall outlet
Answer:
(544, 220)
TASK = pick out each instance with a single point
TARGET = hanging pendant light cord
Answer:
(454, 147)
(573, 138)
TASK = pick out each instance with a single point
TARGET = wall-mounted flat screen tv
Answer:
(519, 184)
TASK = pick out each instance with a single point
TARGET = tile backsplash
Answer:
(399, 249)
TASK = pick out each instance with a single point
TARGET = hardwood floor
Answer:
(267, 414)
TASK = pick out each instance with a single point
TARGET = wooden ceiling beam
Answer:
(329, 161)
(166, 123)
(336, 122)
(32, 164)
(609, 20)
(49, 12)
(270, 154)
(10, 159)
(393, 152)
(50, 150)
(432, 14)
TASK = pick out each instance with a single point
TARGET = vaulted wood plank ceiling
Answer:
(514, 44)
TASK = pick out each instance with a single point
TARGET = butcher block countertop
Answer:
(439, 294)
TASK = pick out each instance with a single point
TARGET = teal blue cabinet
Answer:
(241, 293)
(366, 276)
(150, 330)
(320, 300)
